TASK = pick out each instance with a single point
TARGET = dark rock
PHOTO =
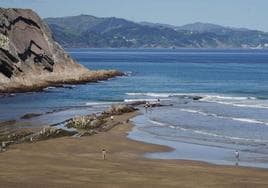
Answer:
(31, 60)
(24, 38)
(120, 109)
(196, 98)
(89, 133)
(29, 116)
(85, 122)
(93, 122)
(137, 103)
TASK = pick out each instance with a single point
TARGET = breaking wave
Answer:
(243, 105)
(141, 100)
(200, 132)
(237, 101)
(203, 96)
(99, 103)
(246, 120)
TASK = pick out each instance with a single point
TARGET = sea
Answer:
(215, 101)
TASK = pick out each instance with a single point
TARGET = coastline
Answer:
(86, 76)
(77, 162)
(210, 132)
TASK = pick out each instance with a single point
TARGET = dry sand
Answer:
(77, 162)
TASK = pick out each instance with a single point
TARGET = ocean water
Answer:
(232, 113)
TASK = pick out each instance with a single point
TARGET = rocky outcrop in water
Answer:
(30, 59)
(99, 123)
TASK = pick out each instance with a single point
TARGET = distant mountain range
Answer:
(93, 32)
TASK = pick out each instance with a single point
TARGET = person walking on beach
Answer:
(103, 154)
(237, 157)
(3, 148)
(146, 106)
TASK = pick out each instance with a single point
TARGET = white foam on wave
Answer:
(261, 106)
(164, 95)
(202, 113)
(98, 103)
(194, 111)
(249, 120)
(227, 137)
(141, 100)
(172, 126)
(69, 86)
(246, 120)
(128, 73)
(244, 102)
(205, 96)
(157, 123)
(206, 133)
(49, 87)
(222, 97)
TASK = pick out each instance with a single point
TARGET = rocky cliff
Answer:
(30, 59)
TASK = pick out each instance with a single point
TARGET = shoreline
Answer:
(183, 149)
(76, 162)
(40, 85)
(16, 136)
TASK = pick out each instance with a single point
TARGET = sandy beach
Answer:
(96, 94)
(77, 162)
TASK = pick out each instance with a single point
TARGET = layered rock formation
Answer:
(31, 60)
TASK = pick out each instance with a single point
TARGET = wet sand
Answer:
(77, 162)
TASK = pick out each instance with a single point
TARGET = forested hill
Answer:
(93, 32)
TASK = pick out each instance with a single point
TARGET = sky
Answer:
(250, 14)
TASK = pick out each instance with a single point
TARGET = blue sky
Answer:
(236, 13)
